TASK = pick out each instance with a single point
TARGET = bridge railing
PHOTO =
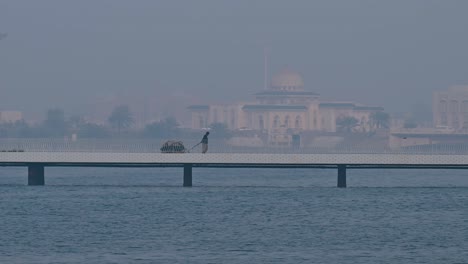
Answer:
(215, 146)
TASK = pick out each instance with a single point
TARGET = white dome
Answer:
(287, 80)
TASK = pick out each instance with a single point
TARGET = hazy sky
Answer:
(389, 53)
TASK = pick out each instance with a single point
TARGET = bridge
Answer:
(37, 161)
(37, 154)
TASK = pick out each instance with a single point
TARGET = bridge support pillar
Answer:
(188, 175)
(36, 174)
(341, 176)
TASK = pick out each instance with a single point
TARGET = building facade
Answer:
(450, 108)
(286, 108)
(10, 116)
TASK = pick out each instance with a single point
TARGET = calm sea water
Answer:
(89, 215)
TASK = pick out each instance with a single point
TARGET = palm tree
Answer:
(55, 124)
(121, 117)
(379, 120)
(346, 123)
(168, 127)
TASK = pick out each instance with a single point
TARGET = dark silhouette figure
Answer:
(204, 142)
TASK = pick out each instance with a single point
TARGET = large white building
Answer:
(285, 108)
(10, 116)
(450, 108)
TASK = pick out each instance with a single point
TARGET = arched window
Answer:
(453, 106)
(298, 123)
(201, 122)
(465, 106)
(443, 106)
(314, 115)
(286, 122)
(276, 122)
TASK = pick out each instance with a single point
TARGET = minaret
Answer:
(266, 52)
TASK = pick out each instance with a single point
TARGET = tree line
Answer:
(349, 124)
(119, 124)
(121, 120)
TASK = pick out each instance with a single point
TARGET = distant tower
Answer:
(266, 52)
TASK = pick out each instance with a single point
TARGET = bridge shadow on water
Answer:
(238, 178)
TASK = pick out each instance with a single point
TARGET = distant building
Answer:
(146, 107)
(10, 116)
(450, 120)
(285, 109)
(450, 108)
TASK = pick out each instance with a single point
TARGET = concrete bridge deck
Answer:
(228, 159)
(36, 161)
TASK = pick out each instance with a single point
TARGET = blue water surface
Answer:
(130, 215)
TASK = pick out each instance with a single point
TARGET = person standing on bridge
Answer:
(204, 143)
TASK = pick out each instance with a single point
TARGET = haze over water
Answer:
(234, 216)
(73, 54)
(82, 58)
